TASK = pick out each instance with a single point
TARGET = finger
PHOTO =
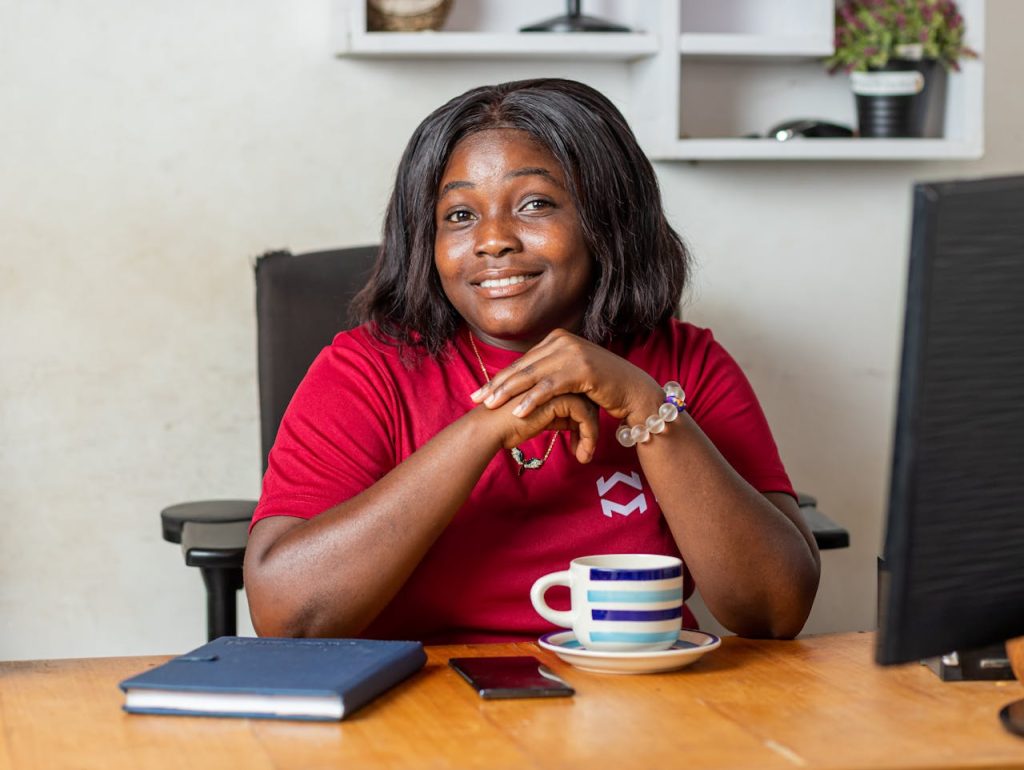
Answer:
(579, 415)
(522, 366)
(539, 393)
(541, 375)
(484, 391)
(586, 442)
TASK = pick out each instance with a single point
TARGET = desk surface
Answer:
(814, 702)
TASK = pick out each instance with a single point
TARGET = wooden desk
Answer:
(815, 702)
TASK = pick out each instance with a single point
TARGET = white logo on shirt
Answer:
(608, 507)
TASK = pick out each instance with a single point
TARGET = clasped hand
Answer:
(559, 384)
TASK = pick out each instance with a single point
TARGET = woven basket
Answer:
(406, 15)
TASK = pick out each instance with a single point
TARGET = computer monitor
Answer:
(953, 575)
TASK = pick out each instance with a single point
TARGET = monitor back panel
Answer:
(954, 550)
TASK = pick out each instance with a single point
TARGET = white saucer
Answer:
(691, 646)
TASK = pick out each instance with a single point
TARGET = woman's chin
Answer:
(509, 340)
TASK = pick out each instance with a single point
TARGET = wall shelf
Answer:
(822, 149)
(703, 74)
(483, 45)
(754, 45)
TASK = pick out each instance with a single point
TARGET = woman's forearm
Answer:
(333, 574)
(757, 568)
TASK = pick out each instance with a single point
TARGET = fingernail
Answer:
(518, 411)
(489, 400)
(477, 394)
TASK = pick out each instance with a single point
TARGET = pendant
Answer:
(525, 465)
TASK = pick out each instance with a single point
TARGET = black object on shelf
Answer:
(574, 21)
(821, 129)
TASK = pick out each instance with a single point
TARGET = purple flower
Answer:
(901, 20)
(871, 50)
(923, 36)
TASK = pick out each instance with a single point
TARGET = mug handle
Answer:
(540, 587)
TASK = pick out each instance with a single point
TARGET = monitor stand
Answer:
(991, 662)
(574, 21)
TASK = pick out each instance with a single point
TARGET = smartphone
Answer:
(517, 676)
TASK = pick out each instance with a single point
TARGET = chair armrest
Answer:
(214, 544)
(827, 534)
(174, 517)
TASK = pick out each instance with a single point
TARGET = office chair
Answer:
(301, 303)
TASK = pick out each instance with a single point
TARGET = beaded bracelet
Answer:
(675, 402)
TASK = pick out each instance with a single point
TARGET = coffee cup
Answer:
(619, 602)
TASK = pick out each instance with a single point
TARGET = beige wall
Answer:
(151, 150)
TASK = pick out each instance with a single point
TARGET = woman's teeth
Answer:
(492, 283)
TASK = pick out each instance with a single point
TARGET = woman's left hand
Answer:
(564, 363)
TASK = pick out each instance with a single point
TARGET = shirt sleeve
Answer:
(336, 436)
(724, 405)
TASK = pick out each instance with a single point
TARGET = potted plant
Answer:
(892, 49)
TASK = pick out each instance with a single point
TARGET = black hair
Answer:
(640, 262)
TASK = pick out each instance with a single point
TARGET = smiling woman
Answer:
(509, 247)
(522, 300)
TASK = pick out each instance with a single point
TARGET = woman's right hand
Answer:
(570, 412)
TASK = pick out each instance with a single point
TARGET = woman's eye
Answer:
(537, 204)
(459, 216)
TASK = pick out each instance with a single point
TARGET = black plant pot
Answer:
(893, 101)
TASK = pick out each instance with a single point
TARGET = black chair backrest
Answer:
(302, 301)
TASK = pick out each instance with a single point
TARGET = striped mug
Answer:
(619, 602)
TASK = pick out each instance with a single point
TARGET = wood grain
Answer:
(815, 702)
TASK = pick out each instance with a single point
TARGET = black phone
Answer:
(516, 676)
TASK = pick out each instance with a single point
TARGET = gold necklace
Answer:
(534, 463)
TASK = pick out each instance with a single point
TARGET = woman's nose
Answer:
(496, 237)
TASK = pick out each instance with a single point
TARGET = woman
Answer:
(462, 442)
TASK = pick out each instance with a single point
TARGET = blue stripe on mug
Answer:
(635, 574)
(643, 615)
(625, 636)
(633, 597)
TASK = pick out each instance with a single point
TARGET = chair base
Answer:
(222, 584)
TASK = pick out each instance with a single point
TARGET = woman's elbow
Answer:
(783, 618)
(791, 614)
(278, 609)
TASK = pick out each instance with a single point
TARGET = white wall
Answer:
(148, 151)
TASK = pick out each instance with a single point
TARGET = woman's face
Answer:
(509, 246)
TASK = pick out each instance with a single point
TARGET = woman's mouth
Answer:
(506, 286)
(491, 283)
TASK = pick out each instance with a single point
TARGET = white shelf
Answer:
(497, 45)
(820, 149)
(754, 46)
(709, 69)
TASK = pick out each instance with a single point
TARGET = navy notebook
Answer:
(314, 679)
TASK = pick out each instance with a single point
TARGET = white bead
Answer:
(625, 436)
(673, 388)
(640, 434)
(655, 424)
(668, 412)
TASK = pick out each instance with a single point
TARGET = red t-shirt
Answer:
(359, 412)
